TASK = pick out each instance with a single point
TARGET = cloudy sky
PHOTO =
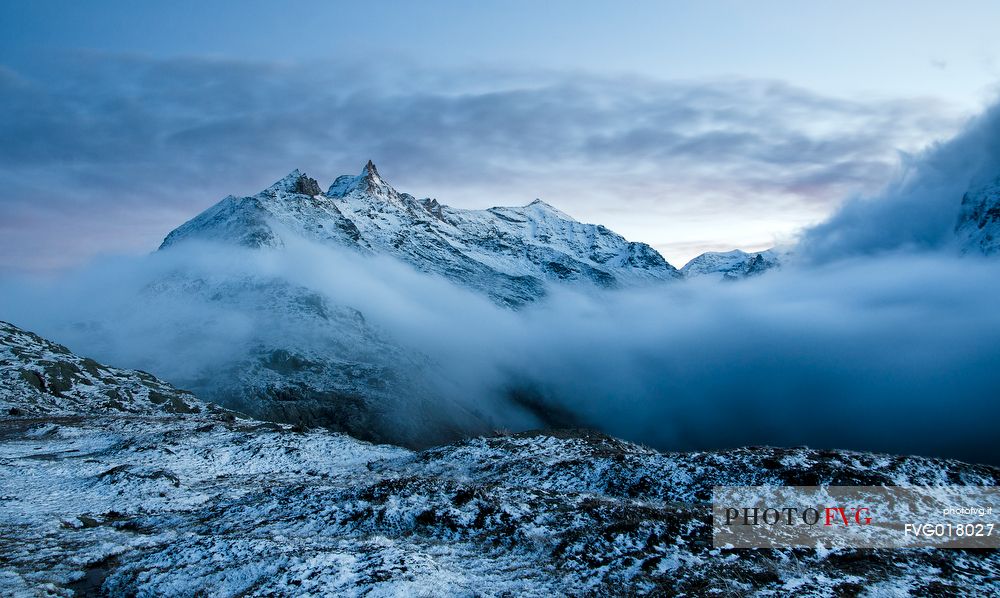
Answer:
(687, 126)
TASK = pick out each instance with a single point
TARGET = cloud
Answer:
(894, 353)
(111, 152)
(919, 209)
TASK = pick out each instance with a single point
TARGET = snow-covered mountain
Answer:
(978, 227)
(508, 253)
(111, 487)
(310, 361)
(732, 265)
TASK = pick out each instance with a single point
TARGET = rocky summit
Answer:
(511, 254)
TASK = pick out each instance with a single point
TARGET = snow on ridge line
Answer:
(509, 253)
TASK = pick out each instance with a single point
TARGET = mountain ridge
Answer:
(509, 253)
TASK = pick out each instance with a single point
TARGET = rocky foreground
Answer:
(114, 483)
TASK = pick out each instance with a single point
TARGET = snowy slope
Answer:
(39, 377)
(731, 265)
(97, 500)
(510, 254)
(978, 227)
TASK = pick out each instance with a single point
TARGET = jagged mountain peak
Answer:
(369, 181)
(296, 182)
(509, 253)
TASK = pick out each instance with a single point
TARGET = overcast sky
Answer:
(690, 126)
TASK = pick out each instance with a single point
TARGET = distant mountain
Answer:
(732, 265)
(508, 253)
(116, 484)
(978, 227)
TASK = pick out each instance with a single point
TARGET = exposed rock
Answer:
(307, 186)
(978, 226)
(40, 377)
